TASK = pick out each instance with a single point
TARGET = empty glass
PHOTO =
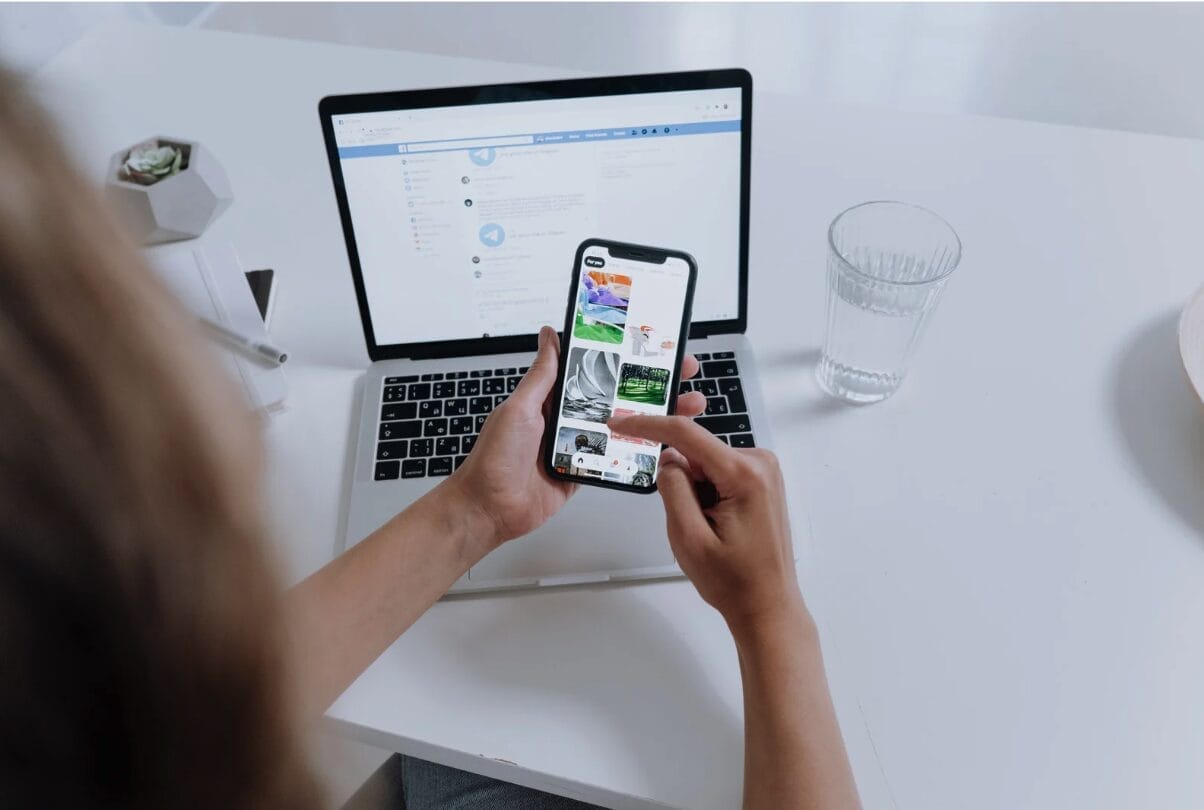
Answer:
(887, 264)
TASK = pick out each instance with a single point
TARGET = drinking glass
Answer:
(887, 265)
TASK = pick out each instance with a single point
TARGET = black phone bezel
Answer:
(629, 252)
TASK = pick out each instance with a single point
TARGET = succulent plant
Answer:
(151, 161)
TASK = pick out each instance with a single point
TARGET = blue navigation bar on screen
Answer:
(540, 138)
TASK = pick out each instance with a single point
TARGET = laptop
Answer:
(462, 210)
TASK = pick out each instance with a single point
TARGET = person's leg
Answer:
(428, 786)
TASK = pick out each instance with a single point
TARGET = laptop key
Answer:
(439, 466)
(399, 430)
(434, 427)
(455, 407)
(480, 405)
(730, 384)
(461, 424)
(419, 391)
(730, 423)
(720, 368)
(466, 444)
(716, 405)
(430, 409)
(499, 399)
(386, 450)
(512, 383)
(409, 378)
(743, 440)
(524, 369)
(387, 470)
(506, 372)
(421, 447)
(430, 377)
(702, 356)
(480, 373)
(735, 394)
(457, 375)
(444, 390)
(707, 387)
(468, 388)
(398, 410)
(393, 393)
(684, 388)
(723, 355)
(480, 422)
(447, 446)
(494, 385)
(414, 468)
(460, 460)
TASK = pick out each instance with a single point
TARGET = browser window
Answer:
(467, 219)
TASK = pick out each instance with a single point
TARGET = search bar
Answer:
(438, 146)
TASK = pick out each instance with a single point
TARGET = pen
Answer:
(256, 348)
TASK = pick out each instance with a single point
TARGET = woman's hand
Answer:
(503, 479)
(728, 527)
(727, 520)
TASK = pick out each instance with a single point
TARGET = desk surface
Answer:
(1005, 558)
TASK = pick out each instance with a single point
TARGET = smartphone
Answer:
(620, 353)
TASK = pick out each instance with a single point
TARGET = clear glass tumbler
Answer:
(887, 264)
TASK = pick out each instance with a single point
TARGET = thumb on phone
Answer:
(539, 379)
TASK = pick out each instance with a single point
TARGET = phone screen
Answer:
(625, 330)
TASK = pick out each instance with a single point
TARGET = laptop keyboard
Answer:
(429, 423)
(727, 412)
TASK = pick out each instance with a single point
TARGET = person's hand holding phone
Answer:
(726, 518)
(503, 481)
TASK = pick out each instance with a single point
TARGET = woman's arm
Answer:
(345, 615)
(794, 755)
(727, 522)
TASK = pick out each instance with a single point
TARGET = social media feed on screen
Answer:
(622, 349)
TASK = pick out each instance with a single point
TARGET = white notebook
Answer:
(210, 282)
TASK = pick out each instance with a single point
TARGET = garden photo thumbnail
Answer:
(644, 384)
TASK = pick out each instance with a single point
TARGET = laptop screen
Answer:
(466, 218)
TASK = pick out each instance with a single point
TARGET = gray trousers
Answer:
(406, 783)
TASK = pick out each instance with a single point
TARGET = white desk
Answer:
(1007, 557)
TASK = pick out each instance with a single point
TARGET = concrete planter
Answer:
(177, 207)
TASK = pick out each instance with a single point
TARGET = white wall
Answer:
(31, 34)
(1112, 65)
(1120, 66)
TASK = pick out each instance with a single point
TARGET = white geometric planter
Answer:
(177, 207)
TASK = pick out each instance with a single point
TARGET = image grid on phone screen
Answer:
(623, 342)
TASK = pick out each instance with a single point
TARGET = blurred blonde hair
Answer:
(141, 653)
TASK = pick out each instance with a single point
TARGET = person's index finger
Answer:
(689, 366)
(692, 440)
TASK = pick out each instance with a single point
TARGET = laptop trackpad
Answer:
(599, 531)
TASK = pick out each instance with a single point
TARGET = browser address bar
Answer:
(436, 146)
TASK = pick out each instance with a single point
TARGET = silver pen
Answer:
(256, 348)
